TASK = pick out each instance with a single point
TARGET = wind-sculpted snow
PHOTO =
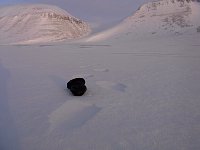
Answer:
(39, 23)
(163, 17)
(142, 95)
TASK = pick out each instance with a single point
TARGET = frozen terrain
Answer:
(37, 23)
(143, 93)
(159, 18)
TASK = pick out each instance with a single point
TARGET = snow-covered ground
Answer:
(143, 90)
(142, 94)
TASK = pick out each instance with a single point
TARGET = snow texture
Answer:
(142, 94)
(149, 98)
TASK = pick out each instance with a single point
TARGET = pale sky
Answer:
(91, 10)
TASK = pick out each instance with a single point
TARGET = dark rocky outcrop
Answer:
(77, 86)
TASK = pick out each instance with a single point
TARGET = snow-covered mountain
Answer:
(39, 23)
(163, 17)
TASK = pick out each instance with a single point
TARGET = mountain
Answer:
(35, 23)
(163, 17)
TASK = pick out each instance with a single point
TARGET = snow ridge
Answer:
(39, 23)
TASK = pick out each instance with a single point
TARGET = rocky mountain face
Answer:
(39, 23)
(166, 16)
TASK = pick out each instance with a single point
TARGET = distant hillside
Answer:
(39, 23)
(163, 17)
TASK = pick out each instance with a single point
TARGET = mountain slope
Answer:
(39, 23)
(163, 17)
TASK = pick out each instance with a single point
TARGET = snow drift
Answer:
(38, 23)
(163, 17)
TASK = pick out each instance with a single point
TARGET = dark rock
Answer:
(78, 90)
(77, 86)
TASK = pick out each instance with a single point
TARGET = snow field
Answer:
(148, 97)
